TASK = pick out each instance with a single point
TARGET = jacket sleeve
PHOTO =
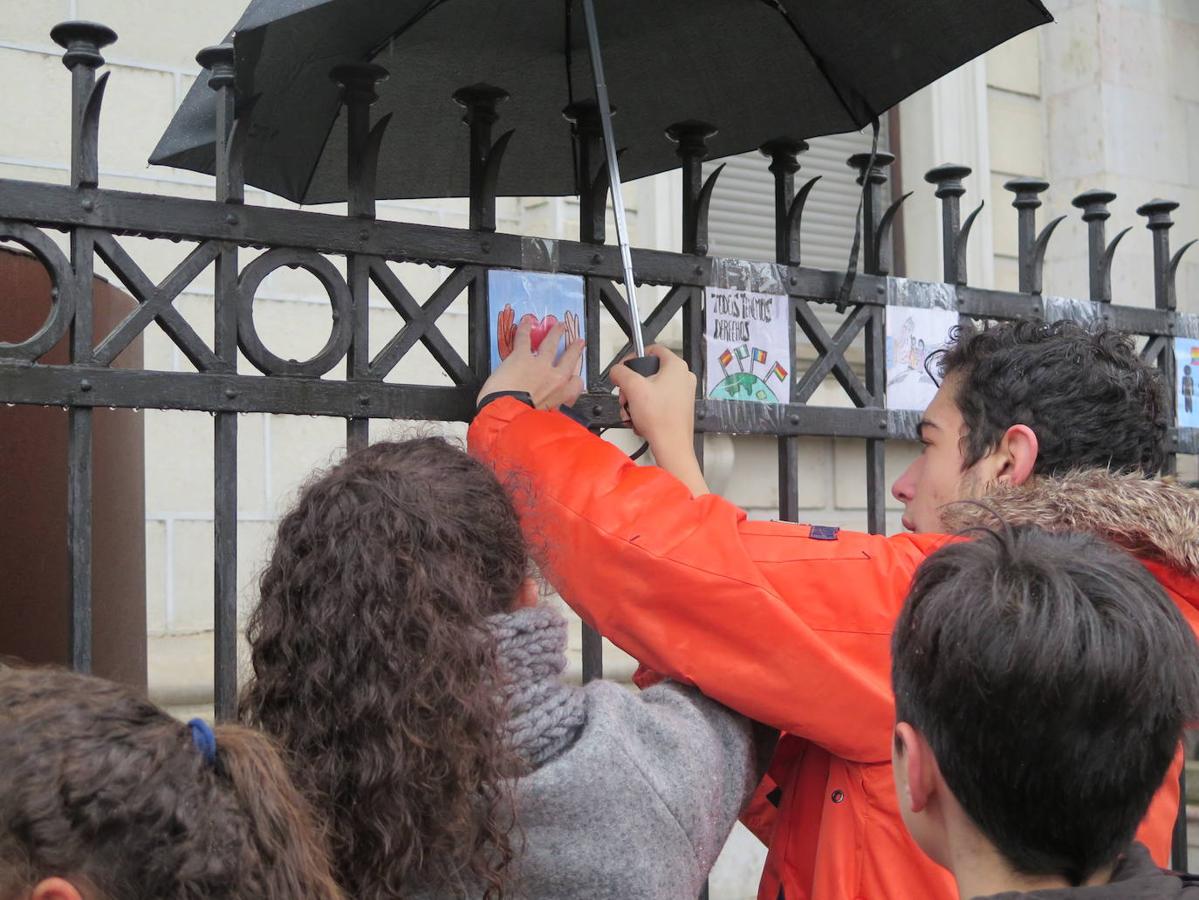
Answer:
(698, 758)
(792, 631)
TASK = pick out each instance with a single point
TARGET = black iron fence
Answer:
(350, 256)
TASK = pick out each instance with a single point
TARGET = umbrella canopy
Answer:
(756, 69)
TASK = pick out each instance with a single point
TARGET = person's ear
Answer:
(1016, 455)
(528, 595)
(913, 753)
(55, 889)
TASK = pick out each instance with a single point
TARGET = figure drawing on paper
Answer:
(538, 298)
(1186, 364)
(913, 336)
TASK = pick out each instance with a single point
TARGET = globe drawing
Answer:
(743, 386)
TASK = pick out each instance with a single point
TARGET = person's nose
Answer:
(904, 488)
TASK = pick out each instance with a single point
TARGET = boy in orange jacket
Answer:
(791, 624)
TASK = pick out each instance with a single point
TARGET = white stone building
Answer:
(1107, 96)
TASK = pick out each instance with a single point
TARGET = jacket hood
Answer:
(1156, 520)
(1135, 878)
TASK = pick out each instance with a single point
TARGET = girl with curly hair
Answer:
(401, 656)
(103, 796)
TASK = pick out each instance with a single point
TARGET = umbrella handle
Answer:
(645, 366)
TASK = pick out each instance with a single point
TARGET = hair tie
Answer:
(204, 739)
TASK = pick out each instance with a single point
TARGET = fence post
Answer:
(83, 42)
(783, 154)
(1099, 253)
(358, 82)
(692, 139)
(948, 179)
(219, 63)
(1031, 246)
(591, 181)
(591, 170)
(480, 102)
(875, 262)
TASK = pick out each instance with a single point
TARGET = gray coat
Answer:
(630, 795)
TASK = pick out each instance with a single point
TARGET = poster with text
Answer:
(1186, 358)
(913, 335)
(748, 354)
(542, 299)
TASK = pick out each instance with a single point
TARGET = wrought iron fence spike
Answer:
(598, 195)
(1095, 213)
(89, 134)
(1026, 202)
(794, 232)
(699, 224)
(948, 180)
(489, 182)
(885, 223)
(962, 238)
(368, 164)
(1040, 246)
(1105, 261)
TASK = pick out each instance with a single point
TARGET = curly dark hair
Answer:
(101, 787)
(374, 666)
(1086, 394)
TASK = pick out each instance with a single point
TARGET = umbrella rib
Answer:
(782, 11)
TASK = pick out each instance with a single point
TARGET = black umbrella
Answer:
(760, 68)
(757, 69)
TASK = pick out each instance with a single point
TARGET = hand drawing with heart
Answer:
(506, 326)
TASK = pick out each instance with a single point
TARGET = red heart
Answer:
(540, 328)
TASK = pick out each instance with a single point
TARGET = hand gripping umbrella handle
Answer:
(644, 366)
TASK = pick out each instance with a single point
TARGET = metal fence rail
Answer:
(350, 254)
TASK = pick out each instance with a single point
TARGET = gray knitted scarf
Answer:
(545, 714)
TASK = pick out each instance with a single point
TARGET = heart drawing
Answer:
(506, 326)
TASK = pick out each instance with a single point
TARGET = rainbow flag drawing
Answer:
(1195, 355)
(778, 371)
(759, 356)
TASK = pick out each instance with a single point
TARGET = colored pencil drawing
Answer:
(537, 298)
(913, 335)
(1186, 359)
(748, 346)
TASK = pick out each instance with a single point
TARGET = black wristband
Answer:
(523, 396)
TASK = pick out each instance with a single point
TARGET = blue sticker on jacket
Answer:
(823, 532)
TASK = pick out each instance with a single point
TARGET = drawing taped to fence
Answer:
(913, 335)
(1186, 356)
(748, 343)
(542, 300)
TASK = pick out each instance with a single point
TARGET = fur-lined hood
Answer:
(1154, 519)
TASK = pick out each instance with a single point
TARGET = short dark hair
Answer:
(1052, 678)
(1089, 398)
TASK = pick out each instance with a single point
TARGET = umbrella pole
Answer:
(622, 231)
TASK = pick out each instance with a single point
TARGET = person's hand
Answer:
(661, 409)
(550, 385)
(662, 406)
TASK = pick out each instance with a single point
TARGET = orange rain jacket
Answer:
(787, 624)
